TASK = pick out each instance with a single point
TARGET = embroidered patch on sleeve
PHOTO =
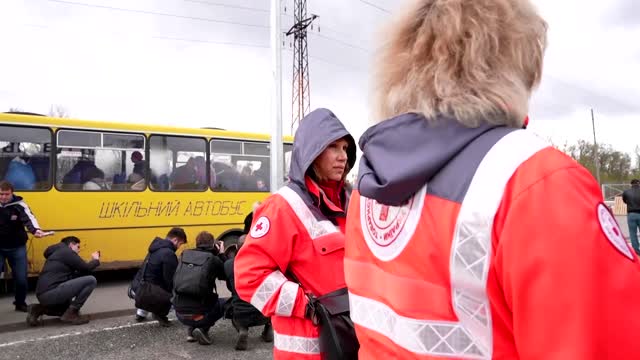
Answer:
(261, 227)
(612, 231)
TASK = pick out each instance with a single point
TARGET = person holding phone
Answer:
(65, 281)
(15, 216)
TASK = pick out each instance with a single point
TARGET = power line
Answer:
(158, 13)
(211, 42)
(228, 5)
(376, 6)
(343, 42)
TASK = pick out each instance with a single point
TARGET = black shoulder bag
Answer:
(151, 297)
(330, 312)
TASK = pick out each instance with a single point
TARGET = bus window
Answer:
(178, 163)
(25, 157)
(96, 161)
(239, 165)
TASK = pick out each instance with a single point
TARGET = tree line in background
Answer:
(58, 111)
(616, 167)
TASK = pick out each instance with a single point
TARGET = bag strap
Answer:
(144, 267)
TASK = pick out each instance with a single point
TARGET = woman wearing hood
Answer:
(294, 251)
(469, 237)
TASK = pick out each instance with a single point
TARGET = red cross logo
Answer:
(261, 228)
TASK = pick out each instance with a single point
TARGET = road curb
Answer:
(22, 325)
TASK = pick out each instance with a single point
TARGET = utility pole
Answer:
(595, 148)
(301, 98)
(277, 156)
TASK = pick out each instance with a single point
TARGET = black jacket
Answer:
(162, 264)
(191, 305)
(62, 264)
(245, 314)
(14, 216)
(247, 223)
(631, 197)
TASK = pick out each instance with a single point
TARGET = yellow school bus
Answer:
(118, 185)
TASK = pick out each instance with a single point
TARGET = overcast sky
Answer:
(207, 62)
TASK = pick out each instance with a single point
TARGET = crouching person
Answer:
(243, 314)
(196, 300)
(64, 282)
(153, 284)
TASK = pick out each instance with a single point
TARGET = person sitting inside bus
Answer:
(184, 177)
(64, 279)
(20, 174)
(93, 179)
(196, 298)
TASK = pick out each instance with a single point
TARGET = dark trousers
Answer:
(203, 321)
(76, 291)
(17, 258)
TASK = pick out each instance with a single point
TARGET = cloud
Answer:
(557, 98)
(623, 13)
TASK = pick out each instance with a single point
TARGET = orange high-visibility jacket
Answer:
(296, 231)
(484, 244)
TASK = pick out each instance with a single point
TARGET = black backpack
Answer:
(194, 273)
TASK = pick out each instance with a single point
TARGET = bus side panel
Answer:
(122, 224)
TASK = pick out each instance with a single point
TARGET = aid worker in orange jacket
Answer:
(469, 237)
(298, 233)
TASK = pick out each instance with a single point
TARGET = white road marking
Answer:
(76, 333)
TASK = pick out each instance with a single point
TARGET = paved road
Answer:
(123, 338)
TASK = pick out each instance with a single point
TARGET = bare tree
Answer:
(58, 111)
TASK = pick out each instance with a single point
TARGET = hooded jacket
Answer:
(162, 264)
(295, 245)
(14, 217)
(62, 264)
(484, 243)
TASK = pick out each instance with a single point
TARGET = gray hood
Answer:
(402, 154)
(317, 130)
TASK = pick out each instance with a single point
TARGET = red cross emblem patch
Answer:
(261, 227)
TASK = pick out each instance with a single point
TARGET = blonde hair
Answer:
(473, 60)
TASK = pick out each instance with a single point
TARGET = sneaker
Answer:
(34, 314)
(267, 333)
(243, 338)
(202, 337)
(22, 308)
(190, 337)
(163, 320)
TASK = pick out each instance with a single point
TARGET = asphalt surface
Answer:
(123, 338)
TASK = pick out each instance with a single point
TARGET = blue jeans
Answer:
(17, 258)
(633, 220)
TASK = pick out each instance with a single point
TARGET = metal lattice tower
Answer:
(301, 97)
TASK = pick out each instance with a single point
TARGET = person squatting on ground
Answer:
(64, 284)
(469, 237)
(15, 215)
(196, 299)
(294, 252)
(244, 315)
(152, 286)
